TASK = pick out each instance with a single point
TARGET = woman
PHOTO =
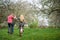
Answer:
(10, 23)
(21, 24)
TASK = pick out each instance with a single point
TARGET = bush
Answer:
(33, 25)
(3, 25)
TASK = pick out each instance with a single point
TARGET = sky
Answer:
(29, 1)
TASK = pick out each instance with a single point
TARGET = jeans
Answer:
(10, 27)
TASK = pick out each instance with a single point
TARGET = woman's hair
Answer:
(22, 18)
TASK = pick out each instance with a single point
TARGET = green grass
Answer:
(31, 34)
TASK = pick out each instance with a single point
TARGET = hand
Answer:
(15, 17)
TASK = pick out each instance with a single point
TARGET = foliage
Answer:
(32, 10)
(3, 25)
(33, 24)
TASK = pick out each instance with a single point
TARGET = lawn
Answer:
(31, 34)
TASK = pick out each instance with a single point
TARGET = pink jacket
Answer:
(10, 19)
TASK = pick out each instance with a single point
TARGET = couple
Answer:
(10, 20)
